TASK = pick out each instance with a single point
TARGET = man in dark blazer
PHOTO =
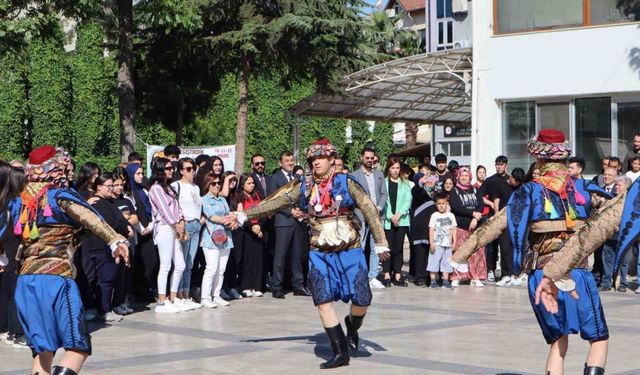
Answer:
(372, 180)
(289, 234)
(259, 177)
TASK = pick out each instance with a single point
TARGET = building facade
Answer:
(572, 65)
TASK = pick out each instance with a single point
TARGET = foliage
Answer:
(50, 94)
(13, 107)
(94, 111)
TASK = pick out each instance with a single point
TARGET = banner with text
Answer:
(226, 153)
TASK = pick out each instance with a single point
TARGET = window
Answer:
(451, 149)
(606, 11)
(628, 125)
(444, 21)
(530, 15)
(554, 116)
(593, 131)
(519, 128)
(423, 39)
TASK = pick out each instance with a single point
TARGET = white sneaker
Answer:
(248, 293)
(120, 310)
(491, 277)
(234, 294)
(257, 293)
(166, 308)
(208, 303)
(477, 283)
(524, 278)
(111, 317)
(181, 305)
(515, 281)
(220, 301)
(505, 281)
(455, 283)
(375, 284)
(194, 305)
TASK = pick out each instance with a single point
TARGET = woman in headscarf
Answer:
(467, 204)
(146, 255)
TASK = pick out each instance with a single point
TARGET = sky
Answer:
(372, 3)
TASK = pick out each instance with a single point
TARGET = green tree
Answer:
(308, 39)
(13, 107)
(50, 94)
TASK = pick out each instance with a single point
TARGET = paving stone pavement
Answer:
(407, 331)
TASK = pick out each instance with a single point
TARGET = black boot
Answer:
(353, 323)
(593, 370)
(340, 348)
(58, 370)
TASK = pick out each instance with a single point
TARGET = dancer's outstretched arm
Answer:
(485, 234)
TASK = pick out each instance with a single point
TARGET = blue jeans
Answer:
(608, 260)
(373, 257)
(189, 249)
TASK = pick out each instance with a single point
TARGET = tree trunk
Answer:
(126, 92)
(180, 120)
(241, 127)
(410, 134)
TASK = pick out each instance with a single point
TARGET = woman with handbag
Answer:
(168, 228)
(216, 240)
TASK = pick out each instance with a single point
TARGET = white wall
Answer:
(578, 62)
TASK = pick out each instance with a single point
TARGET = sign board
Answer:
(226, 153)
(457, 131)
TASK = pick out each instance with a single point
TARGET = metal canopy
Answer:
(428, 88)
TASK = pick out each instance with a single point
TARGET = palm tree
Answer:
(389, 39)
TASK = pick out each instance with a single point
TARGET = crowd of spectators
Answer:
(188, 254)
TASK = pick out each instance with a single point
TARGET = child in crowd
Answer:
(634, 172)
(442, 238)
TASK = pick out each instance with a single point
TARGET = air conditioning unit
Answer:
(391, 12)
(464, 43)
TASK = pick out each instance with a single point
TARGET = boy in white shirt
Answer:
(442, 238)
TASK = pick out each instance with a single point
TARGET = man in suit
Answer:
(289, 234)
(372, 180)
(260, 178)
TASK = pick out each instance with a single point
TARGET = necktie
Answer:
(609, 189)
(263, 183)
(289, 177)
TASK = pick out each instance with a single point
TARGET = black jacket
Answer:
(112, 216)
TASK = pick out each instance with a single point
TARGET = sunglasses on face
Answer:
(168, 169)
(216, 183)
(188, 169)
(259, 163)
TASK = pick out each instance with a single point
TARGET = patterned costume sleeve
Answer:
(91, 221)
(286, 196)
(599, 227)
(369, 211)
(519, 212)
(629, 225)
(484, 235)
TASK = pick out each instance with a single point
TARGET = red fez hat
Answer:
(42, 154)
(551, 136)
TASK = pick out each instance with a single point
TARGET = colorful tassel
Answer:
(26, 232)
(570, 222)
(35, 233)
(17, 229)
(572, 213)
(23, 216)
(47, 211)
(580, 199)
(548, 207)
(554, 214)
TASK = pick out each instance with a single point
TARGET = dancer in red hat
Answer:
(546, 212)
(337, 267)
(48, 217)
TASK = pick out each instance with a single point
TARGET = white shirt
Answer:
(443, 225)
(189, 200)
(632, 175)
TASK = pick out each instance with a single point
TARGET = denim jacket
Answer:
(215, 206)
